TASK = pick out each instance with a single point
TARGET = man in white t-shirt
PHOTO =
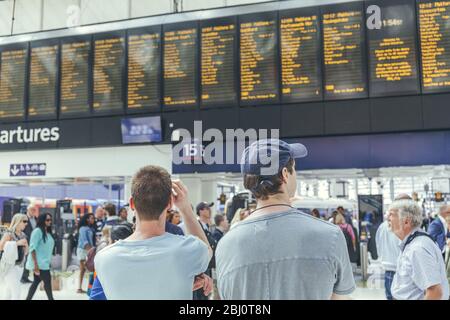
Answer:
(152, 264)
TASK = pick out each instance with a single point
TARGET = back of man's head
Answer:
(151, 190)
(110, 209)
(218, 219)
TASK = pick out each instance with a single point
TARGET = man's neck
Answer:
(204, 221)
(274, 204)
(148, 229)
(221, 229)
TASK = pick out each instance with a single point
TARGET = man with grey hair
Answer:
(420, 272)
(438, 228)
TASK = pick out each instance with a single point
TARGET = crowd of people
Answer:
(268, 251)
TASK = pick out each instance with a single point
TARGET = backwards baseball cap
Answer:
(204, 205)
(268, 157)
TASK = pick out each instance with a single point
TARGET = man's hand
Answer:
(180, 196)
(205, 282)
(22, 242)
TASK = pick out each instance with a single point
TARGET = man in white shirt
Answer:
(420, 272)
(153, 264)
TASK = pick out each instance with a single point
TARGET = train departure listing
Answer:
(143, 70)
(392, 50)
(180, 67)
(218, 64)
(12, 83)
(434, 21)
(108, 62)
(42, 89)
(300, 61)
(258, 57)
(74, 77)
(343, 37)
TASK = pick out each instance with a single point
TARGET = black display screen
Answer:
(144, 56)
(392, 50)
(345, 75)
(13, 67)
(434, 26)
(109, 53)
(301, 64)
(42, 84)
(218, 62)
(259, 58)
(180, 65)
(74, 88)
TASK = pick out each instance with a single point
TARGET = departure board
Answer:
(144, 54)
(108, 63)
(218, 76)
(345, 75)
(259, 58)
(301, 72)
(434, 25)
(42, 87)
(180, 66)
(392, 50)
(75, 77)
(12, 82)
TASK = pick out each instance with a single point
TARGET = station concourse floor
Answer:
(69, 286)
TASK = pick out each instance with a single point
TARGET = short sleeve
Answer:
(36, 238)
(195, 254)
(425, 270)
(345, 283)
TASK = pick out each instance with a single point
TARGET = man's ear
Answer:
(131, 202)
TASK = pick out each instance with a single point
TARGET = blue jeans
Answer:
(388, 277)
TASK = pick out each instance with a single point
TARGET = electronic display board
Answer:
(392, 50)
(109, 54)
(301, 64)
(345, 72)
(218, 62)
(180, 65)
(74, 87)
(42, 81)
(434, 27)
(259, 58)
(144, 56)
(13, 65)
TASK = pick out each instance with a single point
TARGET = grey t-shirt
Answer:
(286, 255)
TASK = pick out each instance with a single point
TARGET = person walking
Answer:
(85, 243)
(40, 253)
(32, 214)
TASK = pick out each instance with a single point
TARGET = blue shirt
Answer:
(44, 250)
(85, 237)
(160, 267)
(97, 292)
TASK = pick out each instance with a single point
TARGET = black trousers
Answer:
(47, 279)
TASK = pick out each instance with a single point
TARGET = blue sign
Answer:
(27, 170)
(141, 130)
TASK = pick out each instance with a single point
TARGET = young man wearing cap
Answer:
(279, 252)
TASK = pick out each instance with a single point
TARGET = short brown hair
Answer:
(270, 187)
(218, 219)
(151, 190)
(110, 209)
